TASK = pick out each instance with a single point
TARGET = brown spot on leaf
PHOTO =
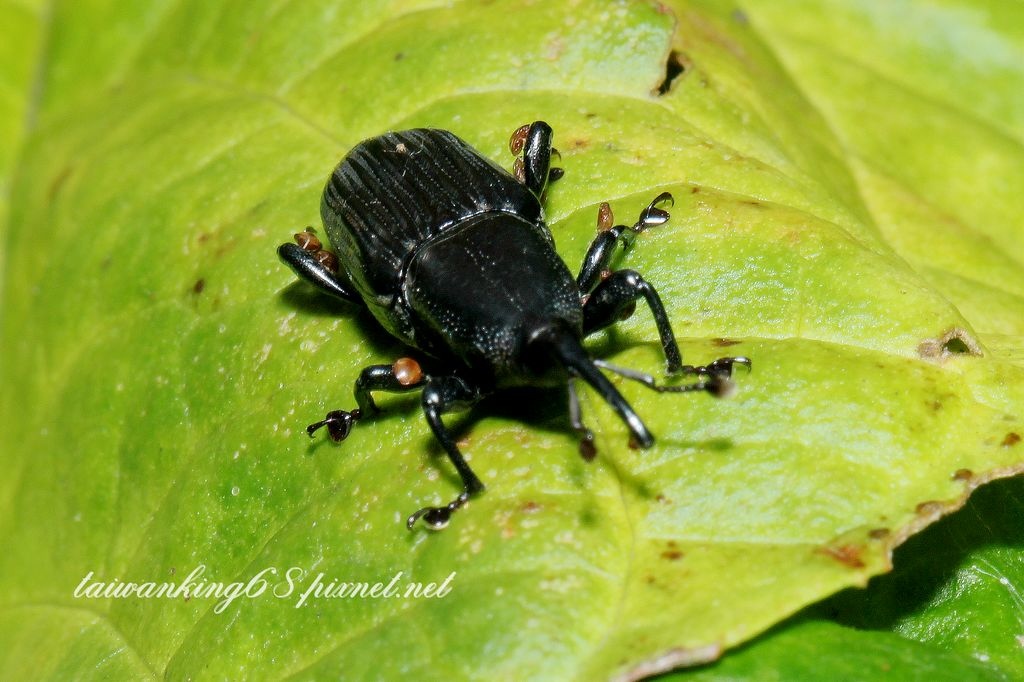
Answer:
(848, 555)
(1011, 439)
(722, 343)
(963, 475)
(879, 533)
(530, 506)
(198, 287)
(672, 554)
(58, 182)
(928, 508)
(663, 499)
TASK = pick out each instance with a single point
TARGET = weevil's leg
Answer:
(595, 263)
(614, 299)
(441, 395)
(308, 267)
(402, 376)
(587, 449)
(534, 170)
(718, 384)
(599, 255)
(721, 367)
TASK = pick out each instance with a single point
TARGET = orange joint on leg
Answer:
(518, 139)
(604, 217)
(308, 241)
(407, 371)
(327, 259)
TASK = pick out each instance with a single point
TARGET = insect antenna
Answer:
(587, 448)
(574, 358)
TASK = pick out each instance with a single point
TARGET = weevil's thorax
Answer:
(479, 292)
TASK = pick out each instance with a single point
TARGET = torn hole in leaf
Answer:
(675, 65)
(956, 341)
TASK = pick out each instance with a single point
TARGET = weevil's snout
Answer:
(570, 353)
(537, 354)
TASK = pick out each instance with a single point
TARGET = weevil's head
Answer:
(558, 349)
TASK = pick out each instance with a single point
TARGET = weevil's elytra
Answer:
(450, 253)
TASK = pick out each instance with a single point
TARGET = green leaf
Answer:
(816, 650)
(951, 609)
(956, 586)
(18, 51)
(842, 217)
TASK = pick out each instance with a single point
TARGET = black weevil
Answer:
(451, 254)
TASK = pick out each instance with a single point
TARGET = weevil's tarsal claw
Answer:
(744, 362)
(724, 366)
(662, 198)
(555, 174)
(652, 216)
(437, 518)
(315, 426)
(434, 518)
(338, 422)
